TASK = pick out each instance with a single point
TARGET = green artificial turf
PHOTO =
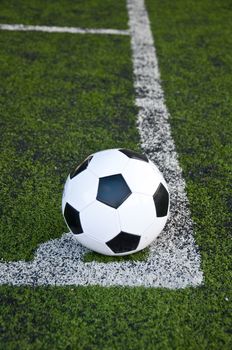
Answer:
(78, 13)
(114, 318)
(62, 97)
(193, 41)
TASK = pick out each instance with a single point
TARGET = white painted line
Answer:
(173, 261)
(176, 248)
(71, 30)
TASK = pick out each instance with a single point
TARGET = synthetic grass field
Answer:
(77, 106)
(64, 97)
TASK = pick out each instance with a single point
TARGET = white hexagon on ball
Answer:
(116, 202)
(100, 222)
(74, 193)
(102, 164)
(137, 213)
(141, 177)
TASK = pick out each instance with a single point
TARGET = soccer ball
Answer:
(116, 202)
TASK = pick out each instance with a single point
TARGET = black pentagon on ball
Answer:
(81, 167)
(134, 155)
(161, 200)
(113, 190)
(123, 242)
(72, 217)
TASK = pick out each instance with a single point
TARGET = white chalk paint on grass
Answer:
(54, 29)
(173, 261)
(60, 262)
